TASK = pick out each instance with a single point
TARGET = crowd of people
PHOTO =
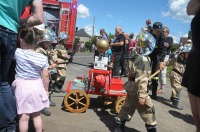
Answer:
(143, 64)
(38, 60)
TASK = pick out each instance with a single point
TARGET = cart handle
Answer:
(154, 74)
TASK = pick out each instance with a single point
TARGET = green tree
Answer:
(189, 34)
(111, 36)
(76, 41)
(174, 47)
(93, 39)
(88, 45)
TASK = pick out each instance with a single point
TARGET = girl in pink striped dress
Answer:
(31, 80)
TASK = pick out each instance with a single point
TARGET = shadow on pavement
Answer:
(109, 120)
(63, 108)
(185, 117)
(106, 114)
(164, 101)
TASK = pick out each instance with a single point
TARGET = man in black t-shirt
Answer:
(118, 48)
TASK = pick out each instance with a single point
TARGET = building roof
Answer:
(183, 39)
(82, 33)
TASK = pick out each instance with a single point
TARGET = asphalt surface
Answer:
(96, 119)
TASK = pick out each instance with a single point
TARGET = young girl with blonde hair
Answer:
(31, 80)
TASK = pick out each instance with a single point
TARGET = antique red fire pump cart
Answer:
(99, 82)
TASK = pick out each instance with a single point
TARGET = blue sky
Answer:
(132, 14)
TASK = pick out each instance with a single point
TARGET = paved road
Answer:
(97, 120)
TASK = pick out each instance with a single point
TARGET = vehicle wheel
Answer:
(76, 101)
(119, 103)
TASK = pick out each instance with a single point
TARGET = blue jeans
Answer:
(8, 110)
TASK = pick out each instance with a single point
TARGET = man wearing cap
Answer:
(158, 55)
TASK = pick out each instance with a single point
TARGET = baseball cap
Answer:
(158, 26)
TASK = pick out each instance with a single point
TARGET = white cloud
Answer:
(109, 15)
(165, 14)
(83, 11)
(89, 29)
(177, 10)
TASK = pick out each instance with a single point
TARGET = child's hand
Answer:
(161, 66)
(142, 101)
(68, 56)
(54, 65)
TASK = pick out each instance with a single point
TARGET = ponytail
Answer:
(29, 35)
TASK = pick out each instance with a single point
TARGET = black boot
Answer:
(62, 90)
(171, 98)
(63, 104)
(154, 94)
(45, 112)
(52, 104)
(175, 104)
(56, 89)
(154, 89)
(151, 128)
(120, 126)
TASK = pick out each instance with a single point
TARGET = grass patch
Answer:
(169, 69)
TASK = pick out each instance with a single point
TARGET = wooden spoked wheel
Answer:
(76, 101)
(119, 103)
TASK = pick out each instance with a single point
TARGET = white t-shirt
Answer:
(29, 64)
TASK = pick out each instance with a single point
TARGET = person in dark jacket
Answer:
(192, 71)
(158, 55)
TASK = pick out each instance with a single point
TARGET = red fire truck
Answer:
(59, 16)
